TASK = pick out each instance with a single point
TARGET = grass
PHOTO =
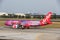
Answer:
(4, 19)
(2, 23)
(53, 25)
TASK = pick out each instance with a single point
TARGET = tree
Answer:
(28, 15)
(54, 15)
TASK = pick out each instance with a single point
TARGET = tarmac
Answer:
(29, 34)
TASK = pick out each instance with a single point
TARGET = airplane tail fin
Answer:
(46, 19)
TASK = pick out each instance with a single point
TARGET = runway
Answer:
(30, 34)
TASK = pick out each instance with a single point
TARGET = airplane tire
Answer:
(27, 27)
(23, 27)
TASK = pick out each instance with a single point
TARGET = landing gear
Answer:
(25, 27)
(16, 26)
(22, 27)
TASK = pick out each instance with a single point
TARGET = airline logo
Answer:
(47, 17)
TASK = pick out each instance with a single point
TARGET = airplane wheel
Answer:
(27, 27)
(23, 27)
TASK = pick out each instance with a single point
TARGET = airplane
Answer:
(26, 24)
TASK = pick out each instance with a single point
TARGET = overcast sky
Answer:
(33, 6)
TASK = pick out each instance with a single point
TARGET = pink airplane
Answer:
(29, 23)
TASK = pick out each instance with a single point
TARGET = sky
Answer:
(30, 6)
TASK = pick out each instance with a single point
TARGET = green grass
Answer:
(2, 23)
(53, 25)
(4, 19)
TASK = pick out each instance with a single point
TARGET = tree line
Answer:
(54, 16)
